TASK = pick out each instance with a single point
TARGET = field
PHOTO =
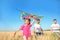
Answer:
(8, 35)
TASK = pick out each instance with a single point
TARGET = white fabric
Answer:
(37, 27)
(55, 27)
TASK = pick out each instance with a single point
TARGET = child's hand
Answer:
(14, 34)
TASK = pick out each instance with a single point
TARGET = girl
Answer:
(26, 29)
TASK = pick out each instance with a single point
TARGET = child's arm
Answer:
(41, 29)
(34, 29)
(32, 22)
(51, 29)
(21, 28)
(15, 33)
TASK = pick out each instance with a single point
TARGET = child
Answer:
(55, 28)
(37, 28)
(26, 29)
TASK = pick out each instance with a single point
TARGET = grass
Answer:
(9, 36)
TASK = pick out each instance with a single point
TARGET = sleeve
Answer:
(21, 28)
(30, 25)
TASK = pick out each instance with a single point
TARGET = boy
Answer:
(37, 28)
(55, 28)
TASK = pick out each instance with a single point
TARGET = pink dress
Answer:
(26, 30)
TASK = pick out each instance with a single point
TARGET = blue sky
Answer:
(10, 12)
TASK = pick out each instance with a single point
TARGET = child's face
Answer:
(27, 21)
(38, 22)
(55, 22)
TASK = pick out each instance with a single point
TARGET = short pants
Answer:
(38, 33)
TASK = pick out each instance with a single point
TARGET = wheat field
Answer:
(8, 35)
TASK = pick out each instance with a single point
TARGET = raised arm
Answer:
(32, 22)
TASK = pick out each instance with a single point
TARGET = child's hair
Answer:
(38, 19)
(28, 20)
(54, 20)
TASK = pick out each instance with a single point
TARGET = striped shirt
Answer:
(55, 27)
